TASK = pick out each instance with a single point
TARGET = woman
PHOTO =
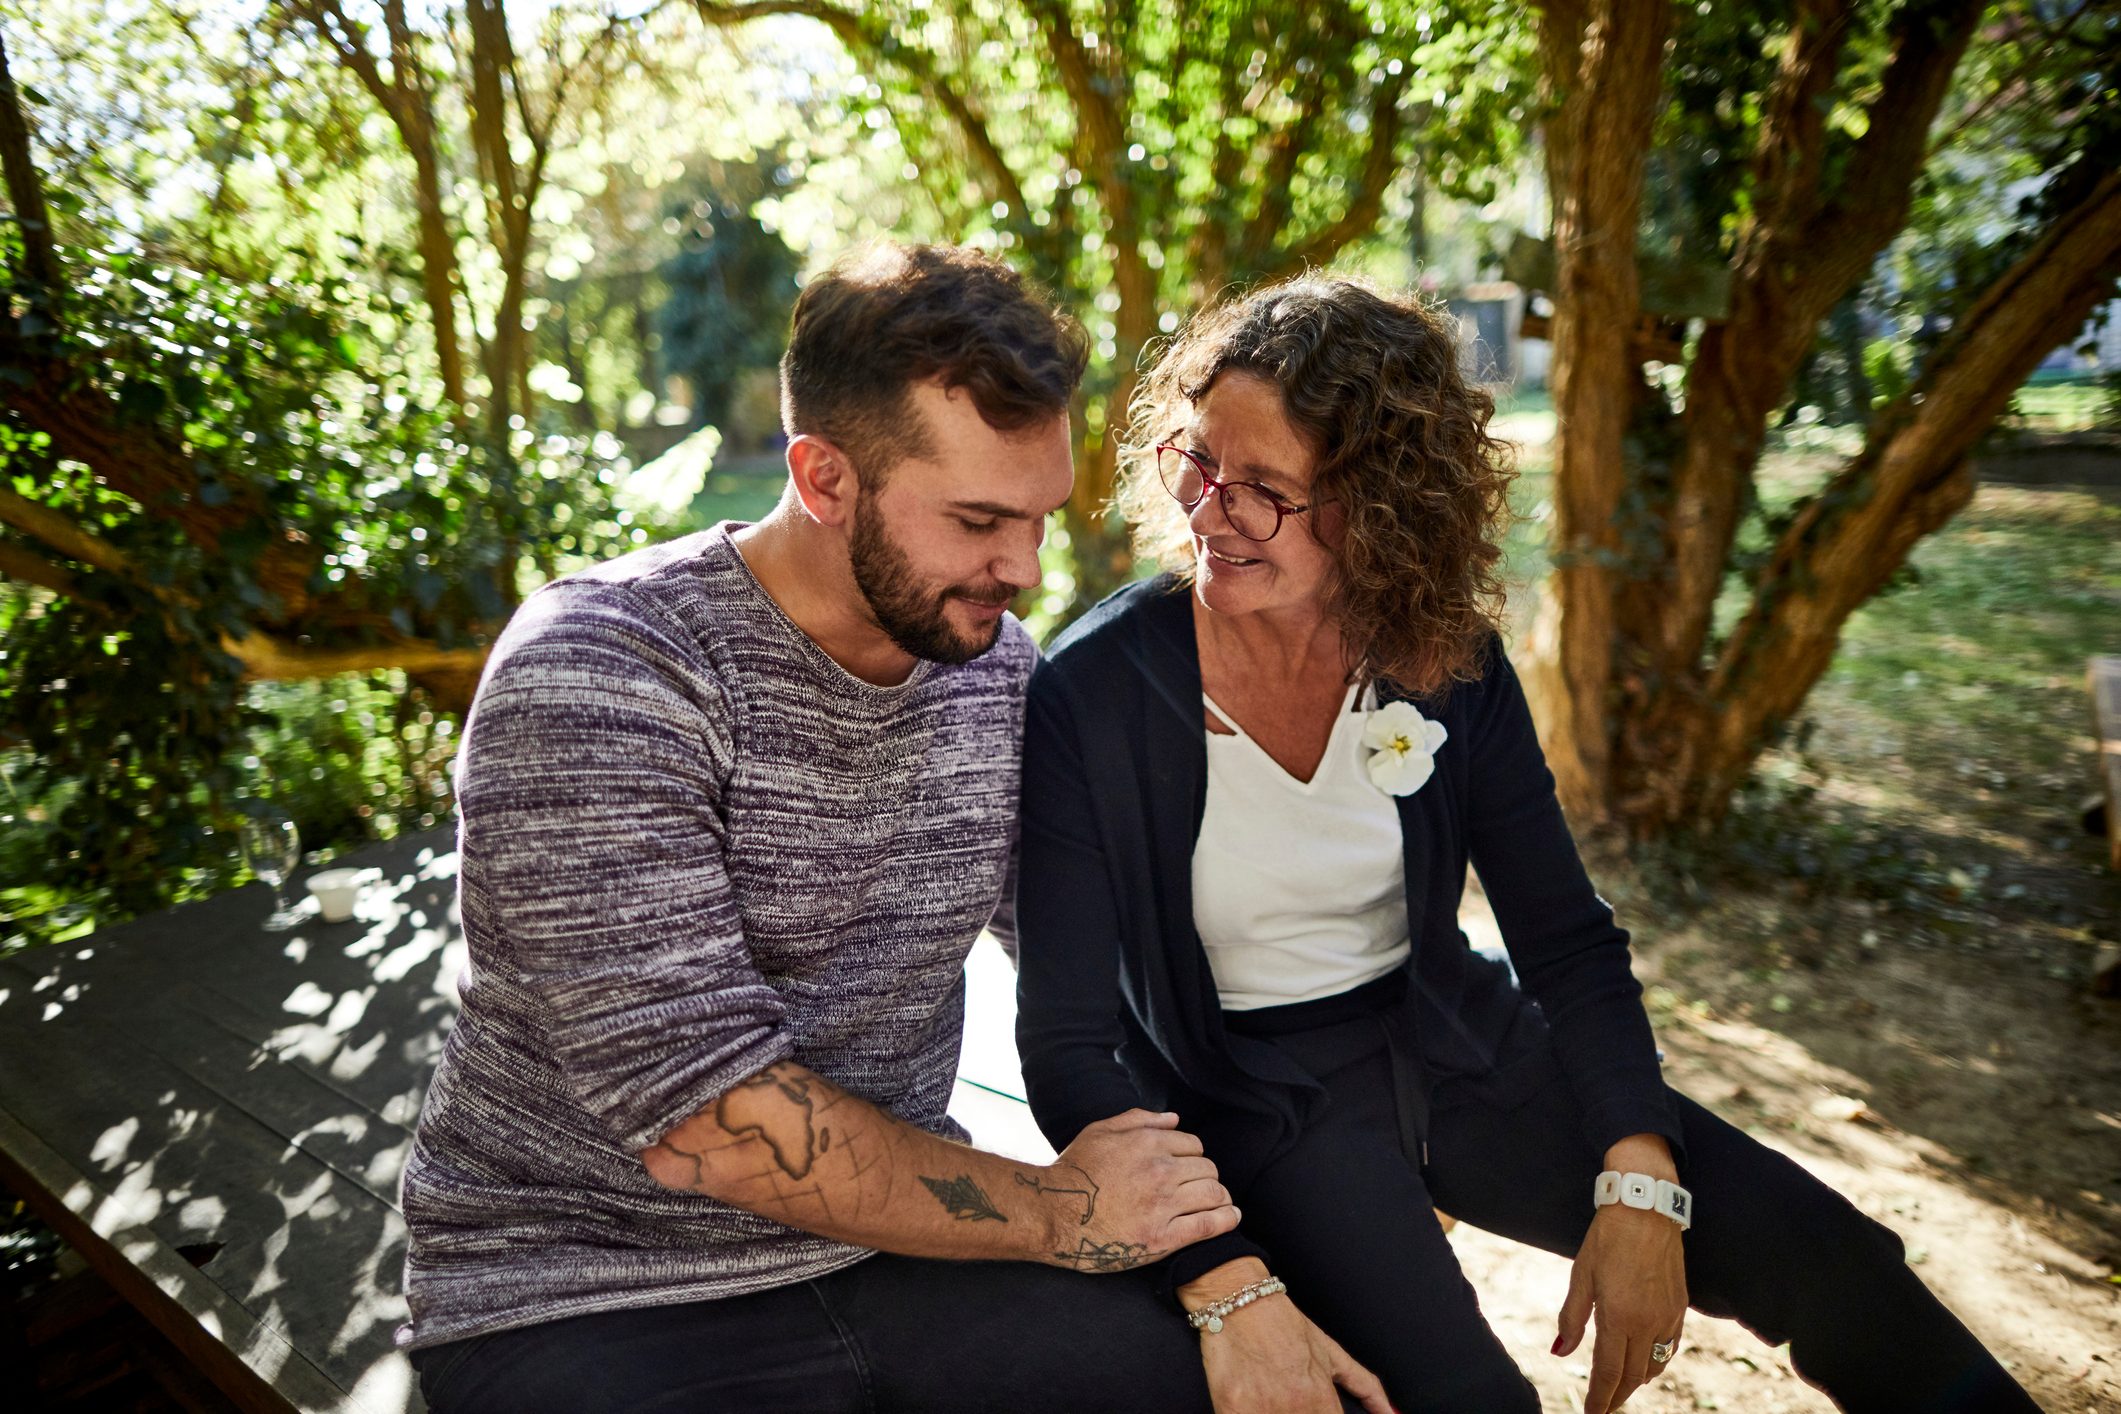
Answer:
(1251, 791)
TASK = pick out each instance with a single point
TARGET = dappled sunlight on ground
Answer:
(2041, 1303)
(191, 1081)
(1971, 1104)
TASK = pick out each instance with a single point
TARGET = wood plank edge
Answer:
(254, 1365)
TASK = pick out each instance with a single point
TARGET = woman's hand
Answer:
(1269, 1358)
(1631, 1269)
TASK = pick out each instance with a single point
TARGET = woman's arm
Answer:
(1574, 959)
(1067, 929)
(1570, 954)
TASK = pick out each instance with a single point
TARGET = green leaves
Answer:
(125, 718)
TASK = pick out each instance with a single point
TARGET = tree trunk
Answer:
(38, 279)
(1604, 131)
(508, 227)
(1648, 505)
(438, 265)
(407, 99)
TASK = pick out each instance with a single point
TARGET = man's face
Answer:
(952, 537)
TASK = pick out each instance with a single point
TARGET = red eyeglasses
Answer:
(1251, 509)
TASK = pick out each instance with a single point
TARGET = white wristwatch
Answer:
(1639, 1190)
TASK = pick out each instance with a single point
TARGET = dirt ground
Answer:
(1986, 1132)
(1894, 993)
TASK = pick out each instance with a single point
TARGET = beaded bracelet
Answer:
(1210, 1318)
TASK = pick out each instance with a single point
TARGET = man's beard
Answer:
(911, 613)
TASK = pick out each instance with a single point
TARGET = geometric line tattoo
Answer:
(1088, 1192)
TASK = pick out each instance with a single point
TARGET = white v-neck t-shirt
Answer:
(1299, 887)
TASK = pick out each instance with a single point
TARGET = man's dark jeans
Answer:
(887, 1334)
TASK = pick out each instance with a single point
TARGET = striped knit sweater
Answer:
(692, 845)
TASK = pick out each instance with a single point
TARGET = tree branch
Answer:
(1561, 33)
(1850, 537)
(1287, 147)
(1208, 255)
(262, 654)
(1790, 150)
(2012, 83)
(1102, 120)
(24, 567)
(61, 534)
(1743, 362)
(1803, 254)
(348, 40)
(406, 100)
(266, 657)
(917, 63)
(1868, 209)
(1380, 164)
(565, 75)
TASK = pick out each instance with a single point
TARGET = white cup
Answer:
(336, 891)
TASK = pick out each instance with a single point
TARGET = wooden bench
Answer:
(216, 1118)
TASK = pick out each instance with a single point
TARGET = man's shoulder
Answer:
(646, 596)
(659, 566)
(616, 630)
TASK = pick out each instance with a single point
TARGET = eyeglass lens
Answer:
(1247, 509)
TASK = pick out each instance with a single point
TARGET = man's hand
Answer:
(1631, 1269)
(1148, 1190)
(1269, 1358)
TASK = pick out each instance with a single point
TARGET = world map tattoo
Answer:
(1087, 1192)
(963, 1199)
(777, 1110)
(1091, 1256)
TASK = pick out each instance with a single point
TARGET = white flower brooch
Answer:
(1402, 746)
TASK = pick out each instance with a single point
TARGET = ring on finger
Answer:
(1664, 1350)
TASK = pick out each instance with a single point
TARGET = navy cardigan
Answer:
(1117, 1007)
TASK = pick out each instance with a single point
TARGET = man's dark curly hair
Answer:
(888, 316)
(1372, 382)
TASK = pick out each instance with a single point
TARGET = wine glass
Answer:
(273, 851)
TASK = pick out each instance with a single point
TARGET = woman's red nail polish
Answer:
(1557, 1345)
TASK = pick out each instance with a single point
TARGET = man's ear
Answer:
(824, 479)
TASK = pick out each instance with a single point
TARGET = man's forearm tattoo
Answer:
(964, 1199)
(775, 1106)
(1087, 1191)
(1091, 1256)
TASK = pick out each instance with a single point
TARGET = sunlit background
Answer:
(352, 322)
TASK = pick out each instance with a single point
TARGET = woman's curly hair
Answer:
(1372, 382)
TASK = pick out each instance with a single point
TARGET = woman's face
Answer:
(1241, 432)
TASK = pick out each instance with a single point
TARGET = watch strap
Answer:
(1640, 1190)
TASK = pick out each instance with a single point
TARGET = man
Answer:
(733, 811)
